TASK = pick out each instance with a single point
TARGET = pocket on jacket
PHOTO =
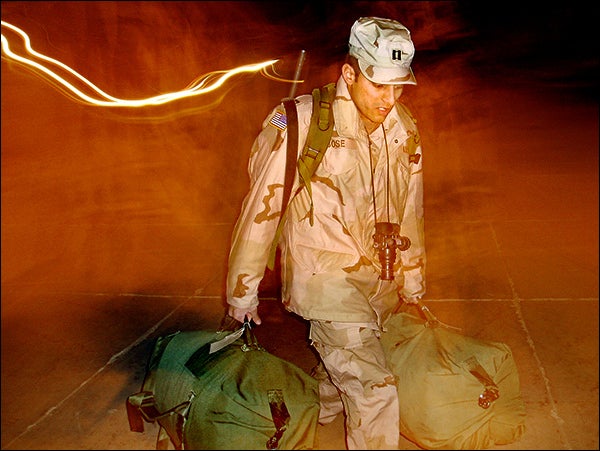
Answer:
(320, 248)
(339, 160)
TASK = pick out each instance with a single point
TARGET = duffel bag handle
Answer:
(431, 319)
(230, 324)
(250, 341)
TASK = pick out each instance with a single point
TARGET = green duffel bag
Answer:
(455, 392)
(222, 390)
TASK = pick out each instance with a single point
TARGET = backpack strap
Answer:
(290, 168)
(319, 135)
(317, 141)
(292, 150)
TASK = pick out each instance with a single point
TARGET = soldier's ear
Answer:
(348, 74)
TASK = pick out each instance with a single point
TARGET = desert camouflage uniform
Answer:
(330, 270)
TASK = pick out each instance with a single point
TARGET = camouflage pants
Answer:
(354, 377)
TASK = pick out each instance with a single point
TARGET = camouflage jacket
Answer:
(330, 270)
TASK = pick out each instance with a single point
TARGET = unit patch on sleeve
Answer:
(414, 158)
(279, 121)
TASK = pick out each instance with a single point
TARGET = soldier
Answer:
(344, 260)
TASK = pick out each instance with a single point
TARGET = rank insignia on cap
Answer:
(279, 120)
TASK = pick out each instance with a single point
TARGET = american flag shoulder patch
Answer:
(279, 120)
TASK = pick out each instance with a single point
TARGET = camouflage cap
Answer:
(384, 50)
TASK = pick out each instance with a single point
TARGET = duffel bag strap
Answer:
(490, 389)
(162, 439)
(280, 415)
(142, 406)
(145, 405)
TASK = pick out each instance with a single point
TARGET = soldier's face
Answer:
(373, 101)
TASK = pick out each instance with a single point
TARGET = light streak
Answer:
(201, 85)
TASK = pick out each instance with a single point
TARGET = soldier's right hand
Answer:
(241, 314)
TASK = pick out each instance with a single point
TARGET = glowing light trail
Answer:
(201, 85)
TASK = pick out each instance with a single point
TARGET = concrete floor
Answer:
(97, 262)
